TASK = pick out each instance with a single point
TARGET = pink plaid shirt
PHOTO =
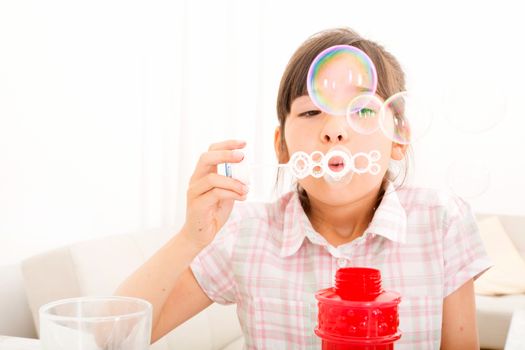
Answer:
(270, 261)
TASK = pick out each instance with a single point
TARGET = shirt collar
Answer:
(293, 226)
(389, 221)
(390, 218)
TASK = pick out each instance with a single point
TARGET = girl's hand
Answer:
(210, 196)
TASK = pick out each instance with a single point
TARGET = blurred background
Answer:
(105, 106)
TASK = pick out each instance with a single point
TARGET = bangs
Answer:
(293, 83)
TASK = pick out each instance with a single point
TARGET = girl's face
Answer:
(309, 129)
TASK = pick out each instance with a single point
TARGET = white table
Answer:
(516, 336)
(14, 343)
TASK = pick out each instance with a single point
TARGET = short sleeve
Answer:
(212, 268)
(464, 255)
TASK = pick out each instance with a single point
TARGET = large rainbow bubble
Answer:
(338, 75)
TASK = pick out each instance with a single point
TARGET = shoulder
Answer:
(261, 214)
(441, 204)
(255, 226)
(424, 197)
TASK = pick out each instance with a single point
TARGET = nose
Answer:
(334, 129)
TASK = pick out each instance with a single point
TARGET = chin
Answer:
(332, 194)
(337, 193)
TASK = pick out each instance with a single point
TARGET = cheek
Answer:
(300, 137)
(384, 146)
(374, 142)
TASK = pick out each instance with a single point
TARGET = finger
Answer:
(228, 145)
(216, 195)
(212, 158)
(208, 161)
(211, 181)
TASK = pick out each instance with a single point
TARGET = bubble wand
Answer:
(334, 166)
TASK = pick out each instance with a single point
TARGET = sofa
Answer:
(98, 266)
(494, 313)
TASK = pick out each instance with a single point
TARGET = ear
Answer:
(398, 151)
(277, 142)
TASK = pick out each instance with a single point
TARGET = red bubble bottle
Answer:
(357, 314)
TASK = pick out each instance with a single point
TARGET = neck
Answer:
(342, 224)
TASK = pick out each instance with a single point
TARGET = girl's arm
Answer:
(459, 329)
(166, 280)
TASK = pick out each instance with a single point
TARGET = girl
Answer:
(271, 258)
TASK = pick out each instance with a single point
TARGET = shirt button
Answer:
(342, 262)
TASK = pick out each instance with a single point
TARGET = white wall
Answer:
(106, 105)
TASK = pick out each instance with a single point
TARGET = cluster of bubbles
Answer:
(317, 164)
(342, 81)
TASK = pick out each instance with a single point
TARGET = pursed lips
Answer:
(336, 163)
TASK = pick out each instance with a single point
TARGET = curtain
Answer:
(105, 106)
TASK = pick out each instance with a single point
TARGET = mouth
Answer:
(336, 164)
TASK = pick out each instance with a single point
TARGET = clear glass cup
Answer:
(96, 323)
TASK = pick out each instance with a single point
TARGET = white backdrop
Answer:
(106, 105)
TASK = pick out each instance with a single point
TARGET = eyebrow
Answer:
(364, 89)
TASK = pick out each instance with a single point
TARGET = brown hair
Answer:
(391, 79)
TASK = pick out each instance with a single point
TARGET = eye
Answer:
(311, 113)
(366, 113)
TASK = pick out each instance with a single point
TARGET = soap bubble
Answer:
(317, 169)
(339, 74)
(405, 118)
(474, 96)
(363, 114)
(367, 162)
(300, 164)
(338, 165)
(471, 117)
(468, 179)
(339, 181)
